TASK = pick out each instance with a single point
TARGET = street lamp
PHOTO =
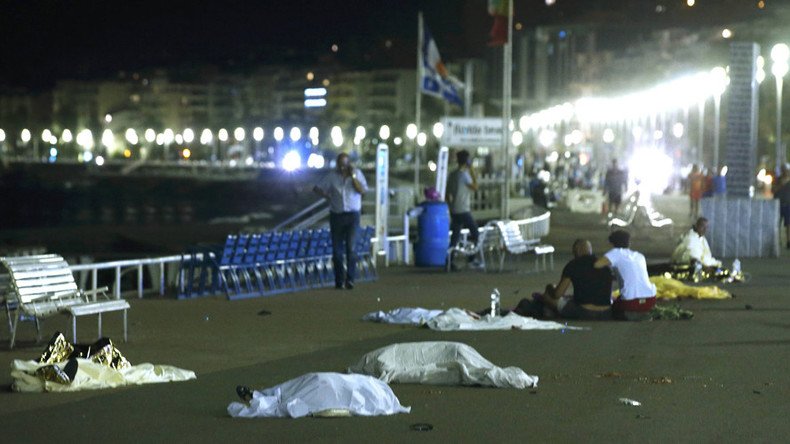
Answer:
(719, 79)
(384, 132)
(779, 55)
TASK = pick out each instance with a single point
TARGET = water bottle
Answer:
(736, 267)
(697, 272)
(495, 302)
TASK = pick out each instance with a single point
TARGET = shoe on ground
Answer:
(349, 285)
(339, 286)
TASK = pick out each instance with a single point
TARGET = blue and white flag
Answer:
(436, 81)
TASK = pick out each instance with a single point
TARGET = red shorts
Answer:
(635, 305)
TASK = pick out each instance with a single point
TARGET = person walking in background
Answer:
(696, 183)
(614, 185)
(782, 192)
(343, 188)
(461, 183)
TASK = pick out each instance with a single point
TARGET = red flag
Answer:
(499, 9)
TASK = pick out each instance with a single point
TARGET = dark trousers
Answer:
(344, 227)
(459, 221)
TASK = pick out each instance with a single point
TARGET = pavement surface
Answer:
(720, 377)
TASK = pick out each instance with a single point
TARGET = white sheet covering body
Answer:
(92, 376)
(403, 315)
(319, 393)
(439, 363)
(458, 319)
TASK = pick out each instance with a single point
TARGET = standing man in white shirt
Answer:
(693, 247)
(461, 185)
(637, 293)
(343, 188)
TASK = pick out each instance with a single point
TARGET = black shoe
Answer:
(349, 285)
(244, 393)
(339, 286)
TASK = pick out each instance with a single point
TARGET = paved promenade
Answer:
(720, 377)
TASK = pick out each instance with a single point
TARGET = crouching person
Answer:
(637, 293)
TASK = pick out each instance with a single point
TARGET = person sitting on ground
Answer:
(592, 289)
(693, 247)
(637, 293)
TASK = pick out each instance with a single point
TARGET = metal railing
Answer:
(157, 266)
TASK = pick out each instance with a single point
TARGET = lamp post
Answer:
(411, 133)
(779, 55)
(719, 79)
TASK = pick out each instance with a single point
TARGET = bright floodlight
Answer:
(546, 137)
(279, 134)
(100, 160)
(411, 131)
(336, 134)
(206, 136)
(384, 132)
(25, 135)
(295, 134)
(131, 136)
(724, 170)
(186, 153)
(779, 69)
(85, 139)
(608, 135)
(726, 33)
(652, 168)
(691, 3)
(577, 136)
(517, 138)
(188, 135)
(313, 134)
(315, 160)
(222, 135)
(45, 135)
(160, 139)
(67, 136)
(422, 139)
(780, 53)
(397, 141)
(107, 139)
(87, 156)
(169, 136)
(108, 118)
(677, 130)
(719, 80)
(179, 139)
(238, 134)
(360, 133)
(53, 152)
(438, 130)
(292, 161)
(2, 135)
(150, 135)
(257, 134)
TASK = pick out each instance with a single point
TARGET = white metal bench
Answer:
(514, 244)
(487, 244)
(43, 285)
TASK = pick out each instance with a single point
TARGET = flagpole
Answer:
(507, 88)
(418, 102)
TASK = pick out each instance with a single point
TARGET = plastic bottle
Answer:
(736, 267)
(495, 303)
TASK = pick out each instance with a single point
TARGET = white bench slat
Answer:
(32, 274)
(45, 290)
(41, 282)
(98, 307)
(32, 266)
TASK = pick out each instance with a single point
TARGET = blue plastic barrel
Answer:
(433, 235)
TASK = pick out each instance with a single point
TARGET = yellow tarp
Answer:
(667, 288)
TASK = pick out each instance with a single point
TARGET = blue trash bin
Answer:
(433, 235)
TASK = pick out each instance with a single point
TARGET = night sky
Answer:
(43, 41)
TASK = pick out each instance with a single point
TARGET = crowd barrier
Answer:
(265, 264)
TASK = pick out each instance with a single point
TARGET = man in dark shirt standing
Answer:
(592, 288)
(615, 183)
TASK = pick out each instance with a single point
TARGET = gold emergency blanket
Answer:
(667, 288)
(92, 375)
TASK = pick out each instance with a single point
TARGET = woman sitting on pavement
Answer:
(637, 293)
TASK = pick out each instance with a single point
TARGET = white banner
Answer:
(441, 170)
(467, 132)
(382, 198)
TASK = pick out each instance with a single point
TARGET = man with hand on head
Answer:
(343, 188)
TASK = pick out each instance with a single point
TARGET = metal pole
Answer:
(701, 131)
(507, 77)
(779, 153)
(418, 103)
(716, 127)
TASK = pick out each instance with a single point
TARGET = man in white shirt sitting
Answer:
(693, 247)
(637, 293)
